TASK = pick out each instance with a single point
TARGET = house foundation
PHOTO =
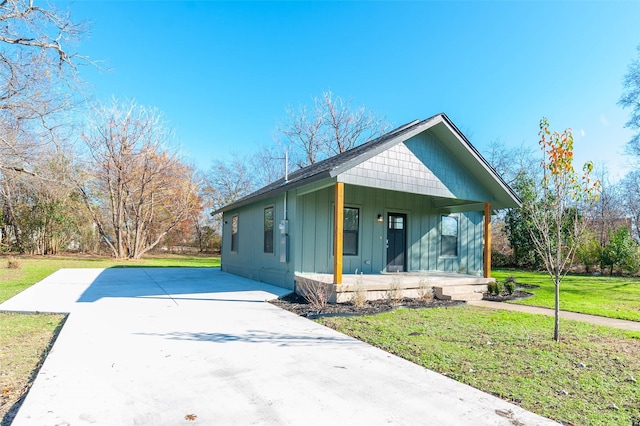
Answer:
(443, 285)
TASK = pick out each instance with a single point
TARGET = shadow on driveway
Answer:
(176, 284)
(67, 289)
(255, 336)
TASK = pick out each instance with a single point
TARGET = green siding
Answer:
(423, 232)
(250, 260)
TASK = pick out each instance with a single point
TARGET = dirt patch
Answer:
(518, 294)
(298, 305)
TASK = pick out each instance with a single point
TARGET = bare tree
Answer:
(630, 196)
(227, 181)
(302, 131)
(607, 213)
(136, 187)
(346, 127)
(330, 127)
(38, 75)
(35, 66)
(509, 162)
(268, 164)
(630, 98)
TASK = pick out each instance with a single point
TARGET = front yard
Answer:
(613, 297)
(590, 378)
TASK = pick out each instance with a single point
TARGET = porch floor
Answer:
(445, 285)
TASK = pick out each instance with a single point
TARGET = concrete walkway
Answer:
(592, 319)
(172, 346)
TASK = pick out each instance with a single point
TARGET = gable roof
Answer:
(334, 166)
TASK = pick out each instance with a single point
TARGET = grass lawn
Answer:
(591, 377)
(613, 297)
(26, 339)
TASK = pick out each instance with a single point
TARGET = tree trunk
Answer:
(556, 326)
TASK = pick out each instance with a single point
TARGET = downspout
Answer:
(286, 180)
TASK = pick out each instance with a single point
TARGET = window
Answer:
(234, 233)
(396, 222)
(268, 230)
(449, 236)
(350, 231)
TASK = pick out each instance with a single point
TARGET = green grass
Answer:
(35, 268)
(25, 339)
(512, 355)
(613, 297)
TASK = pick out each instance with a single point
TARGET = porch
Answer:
(445, 285)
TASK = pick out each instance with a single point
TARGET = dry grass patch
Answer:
(25, 341)
(13, 263)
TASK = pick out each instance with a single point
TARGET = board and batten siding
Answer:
(315, 215)
(250, 260)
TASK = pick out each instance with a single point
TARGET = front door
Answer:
(396, 242)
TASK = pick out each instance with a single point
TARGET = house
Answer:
(418, 198)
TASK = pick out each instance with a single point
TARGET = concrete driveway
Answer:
(197, 346)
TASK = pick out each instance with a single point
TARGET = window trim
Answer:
(457, 236)
(264, 229)
(357, 232)
(235, 235)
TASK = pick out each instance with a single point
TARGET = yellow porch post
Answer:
(487, 240)
(338, 227)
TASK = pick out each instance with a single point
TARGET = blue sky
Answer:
(223, 73)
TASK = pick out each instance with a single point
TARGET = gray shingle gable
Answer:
(333, 166)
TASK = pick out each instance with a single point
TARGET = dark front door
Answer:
(396, 242)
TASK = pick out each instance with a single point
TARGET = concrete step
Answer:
(460, 289)
(461, 280)
(464, 297)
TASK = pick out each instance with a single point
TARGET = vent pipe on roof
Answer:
(286, 167)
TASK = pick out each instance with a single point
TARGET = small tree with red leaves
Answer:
(556, 212)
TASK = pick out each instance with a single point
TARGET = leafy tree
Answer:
(589, 251)
(136, 187)
(630, 98)
(554, 212)
(511, 240)
(622, 251)
(518, 224)
(42, 214)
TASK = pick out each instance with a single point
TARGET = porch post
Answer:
(338, 226)
(487, 240)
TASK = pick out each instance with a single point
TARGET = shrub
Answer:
(510, 285)
(394, 293)
(13, 263)
(425, 290)
(495, 287)
(359, 297)
(316, 293)
(502, 260)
